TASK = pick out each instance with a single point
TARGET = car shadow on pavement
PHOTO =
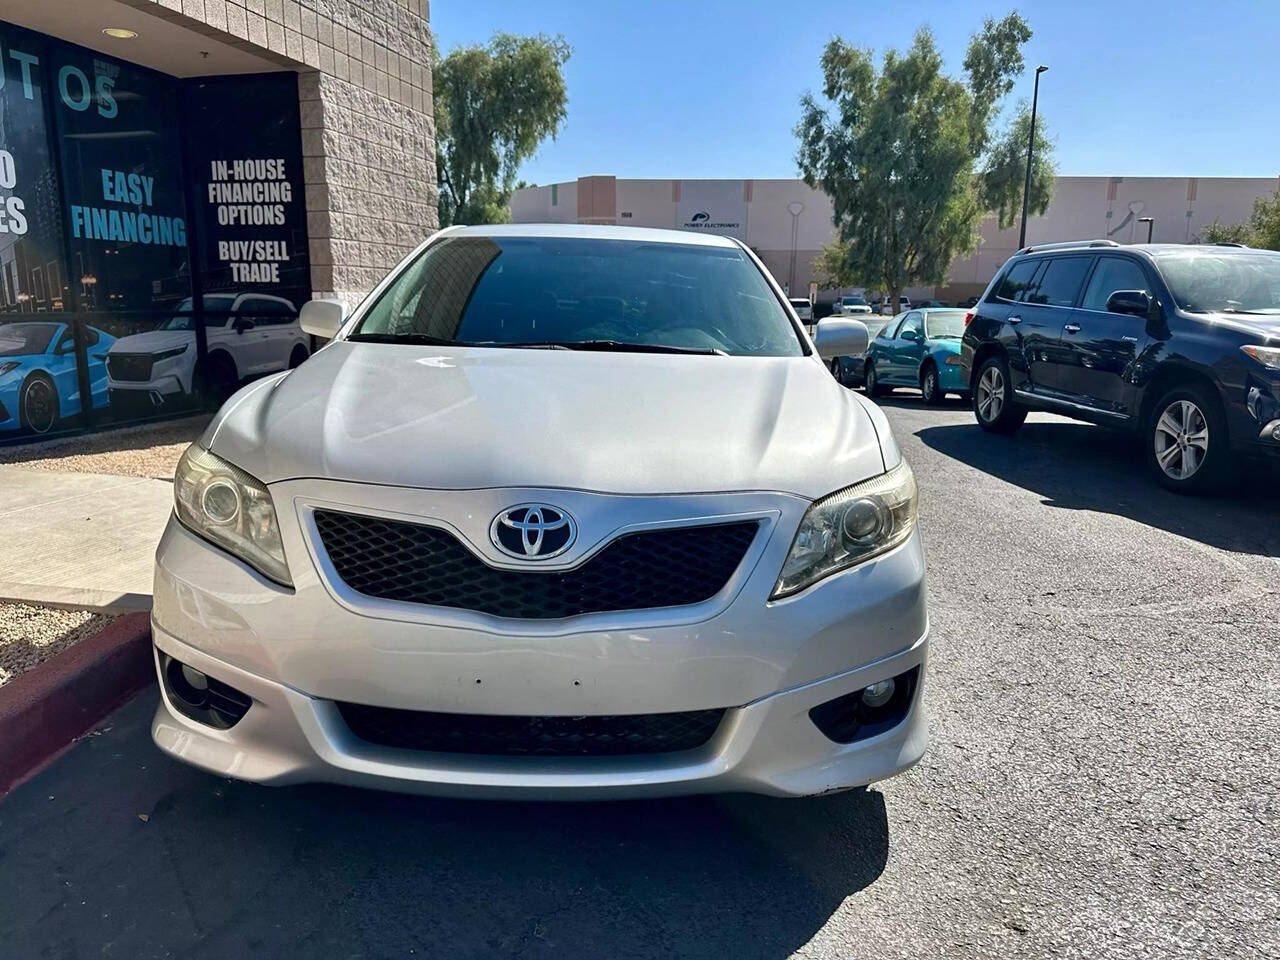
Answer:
(224, 869)
(1077, 466)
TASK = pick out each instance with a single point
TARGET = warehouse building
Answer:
(787, 223)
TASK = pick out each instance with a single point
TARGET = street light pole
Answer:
(1150, 222)
(1031, 143)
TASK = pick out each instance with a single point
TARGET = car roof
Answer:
(587, 231)
(1148, 249)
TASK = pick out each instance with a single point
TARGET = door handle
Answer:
(1015, 320)
(1072, 328)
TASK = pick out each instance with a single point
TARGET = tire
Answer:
(931, 387)
(874, 389)
(216, 378)
(837, 370)
(1186, 440)
(298, 357)
(38, 404)
(993, 404)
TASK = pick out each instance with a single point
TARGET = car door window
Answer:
(266, 312)
(1060, 282)
(1017, 280)
(913, 322)
(1112, 274)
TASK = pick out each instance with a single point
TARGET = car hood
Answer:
(458, 418)
(1266, 325)
(153, 341)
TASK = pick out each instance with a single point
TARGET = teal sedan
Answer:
(920, 349)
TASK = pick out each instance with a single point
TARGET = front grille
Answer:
(415, 563)
(130, 367)
(489, 735)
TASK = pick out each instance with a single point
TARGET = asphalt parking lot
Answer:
(1102, 780)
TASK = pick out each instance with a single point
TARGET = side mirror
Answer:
(322, 318)
(1133, 302)
(910, 335)
(843, 337)
(241, 324)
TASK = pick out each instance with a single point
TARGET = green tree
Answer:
(1261, 230)
(1217, 232)
(897, 151)
(1004, 170)
(493, 105)
(1265, 222)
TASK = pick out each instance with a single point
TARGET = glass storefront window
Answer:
(112, 179)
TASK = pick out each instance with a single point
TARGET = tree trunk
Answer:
(894, 294)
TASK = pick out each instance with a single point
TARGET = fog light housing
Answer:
(875, 709)
(199, 697)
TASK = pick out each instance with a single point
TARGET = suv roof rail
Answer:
(1231, 243)
(1066, 245)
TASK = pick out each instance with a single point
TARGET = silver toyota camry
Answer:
(558, 512)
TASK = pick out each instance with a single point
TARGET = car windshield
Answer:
(17, 339)
(1203, 281)
(800, 304)
(583, 293)
(855, 301)
(944, 324)
(185, 320)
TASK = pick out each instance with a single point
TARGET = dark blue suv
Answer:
(1177, 344)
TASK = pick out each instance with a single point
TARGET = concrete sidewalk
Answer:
(82, 540)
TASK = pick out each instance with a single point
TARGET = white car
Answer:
(885, 307)
(852, 306)
(561, 511)
(247, 334)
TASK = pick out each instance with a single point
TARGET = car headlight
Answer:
(9, 365)
(1269, 357)
(168, 354)
(849, 527)
(218, 501)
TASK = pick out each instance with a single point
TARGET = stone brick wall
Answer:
(368, 138)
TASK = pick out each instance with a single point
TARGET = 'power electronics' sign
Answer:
(713, 206)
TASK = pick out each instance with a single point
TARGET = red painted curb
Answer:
(46, 708)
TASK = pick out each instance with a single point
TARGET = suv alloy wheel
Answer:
(993, 403)
(1186, 440)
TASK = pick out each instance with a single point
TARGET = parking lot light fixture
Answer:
(1031, 143)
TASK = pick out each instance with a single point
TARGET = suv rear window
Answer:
(1060, 282)
(1017, 280)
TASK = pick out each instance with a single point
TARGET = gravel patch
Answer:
(150, 450)
(31, 635)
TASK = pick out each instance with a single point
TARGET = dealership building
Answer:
(178, 176)
(788, 223)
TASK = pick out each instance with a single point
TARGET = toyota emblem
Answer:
(533, 531)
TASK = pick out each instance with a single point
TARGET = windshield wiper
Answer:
(622, 346)
(420, 339)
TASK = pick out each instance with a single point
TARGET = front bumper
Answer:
(296, 653)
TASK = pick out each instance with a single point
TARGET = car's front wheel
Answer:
(1186, 440)
(993, 403)
(38, 404)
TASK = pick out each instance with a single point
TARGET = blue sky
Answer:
(706, 88)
